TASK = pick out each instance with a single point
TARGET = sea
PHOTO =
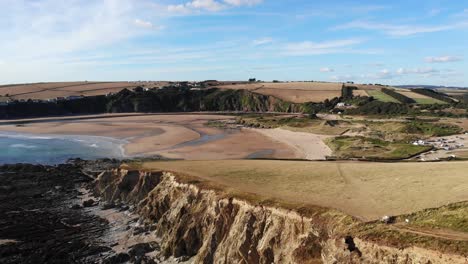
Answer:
(56, 149)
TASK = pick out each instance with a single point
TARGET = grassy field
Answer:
(365, 190)
(381, 96)
(431, 129)
(419, 98)
(360, 147)
(297, 124)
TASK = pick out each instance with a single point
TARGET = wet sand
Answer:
(184, 136)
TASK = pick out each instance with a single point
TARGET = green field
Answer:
(431, 129)
(296, 124)
(428, 101)
(378, 95)
(361, 147)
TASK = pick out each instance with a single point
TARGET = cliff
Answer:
(205, 227)
(162, 100)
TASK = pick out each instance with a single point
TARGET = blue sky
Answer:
(391, 42)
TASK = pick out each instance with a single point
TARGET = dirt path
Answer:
(437, 233)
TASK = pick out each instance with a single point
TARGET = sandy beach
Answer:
(184, 136)
(309, 146)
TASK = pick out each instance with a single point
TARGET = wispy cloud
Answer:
(324, 47)
(344, 78)
(51, 27)
(400, 30)
(146, 24)
(210, 5)
(262, 41)
(417, 71)
(443, 59)
(243, 2)
(326, 69)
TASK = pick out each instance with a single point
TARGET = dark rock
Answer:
(45, 222)
(107, 206)
(124, 208)
(75, 207)
(141, 249)
(117, 258)
(89, 203)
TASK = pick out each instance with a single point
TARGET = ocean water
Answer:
(55, 149)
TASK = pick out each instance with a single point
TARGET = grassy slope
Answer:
(428, 101)
(381, 96)
(357, 147)
(452, 217)
(297, 124)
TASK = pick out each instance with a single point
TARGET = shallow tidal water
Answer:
(55, 149)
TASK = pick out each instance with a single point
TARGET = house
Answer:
(340, 104)
(209, 83)
(419, 143)
(252, 80)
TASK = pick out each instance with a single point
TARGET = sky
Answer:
(388, 42)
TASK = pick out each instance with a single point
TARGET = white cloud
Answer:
(315, 48)
(401, 30)
(146, 24)
(417, 71)
(384, 74)
(243, 2)
(206, 5)
(53, 27)
(326, 69)
(210, 5)
(344, 78)
(262, 41)
(434, 12)
(442, 59)
(375, 64)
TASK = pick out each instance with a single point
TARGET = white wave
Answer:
(94, 145)
(24, 146)
(24, 136)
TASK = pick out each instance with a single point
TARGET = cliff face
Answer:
(199, 224)
(164, 100)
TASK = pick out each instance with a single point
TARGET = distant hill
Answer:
(430, 87)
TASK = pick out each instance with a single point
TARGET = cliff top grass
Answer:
(360, 189)
(364, 190)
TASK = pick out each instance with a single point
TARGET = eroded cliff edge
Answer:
(204, 226)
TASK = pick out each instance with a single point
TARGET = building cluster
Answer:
(442, 143)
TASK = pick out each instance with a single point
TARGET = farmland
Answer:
(297, 92)
(419, 98)
(381, 96)
(62, 89)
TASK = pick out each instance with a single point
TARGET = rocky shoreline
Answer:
(48, 216)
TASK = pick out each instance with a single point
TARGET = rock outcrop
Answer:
(205, 227)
